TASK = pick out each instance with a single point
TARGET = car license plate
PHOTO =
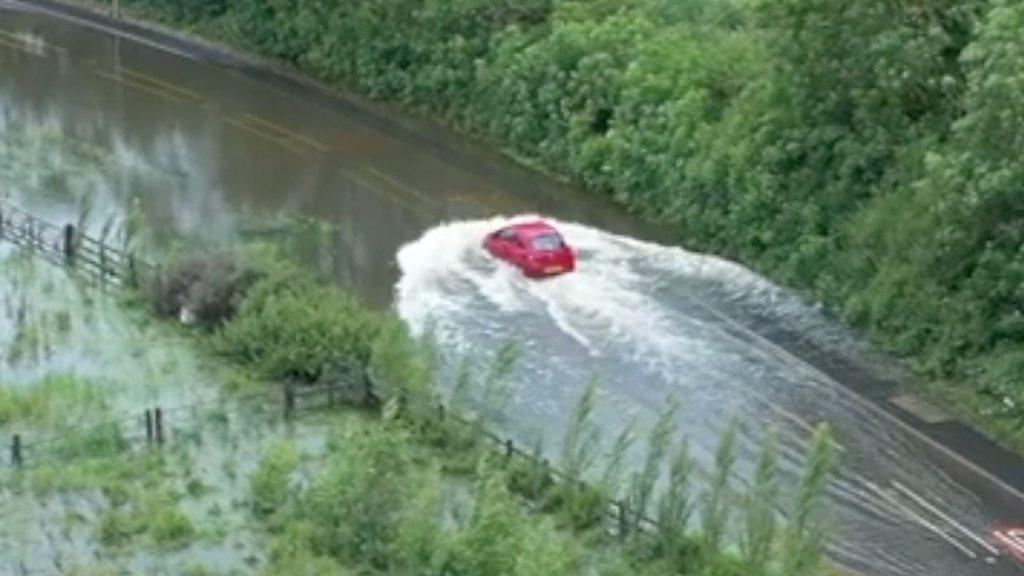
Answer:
(552, 269)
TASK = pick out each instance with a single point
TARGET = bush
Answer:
(149, 511)
(357, 505)
(500, 540)
(270, 483)
(208, 289)
(298, 330)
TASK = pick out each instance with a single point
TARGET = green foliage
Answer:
(54, 400)
(582, 438)
(760, 522)
(298, 329)
(402, 365)
(715, 507)
(269, 484)
(500, 540)
(358, 503)
(291, 554)
(643, 481)
(804, 535)
(150, 512)
(675, 506)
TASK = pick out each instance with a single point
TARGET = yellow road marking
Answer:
(21, 39)
(140, 86)
(20, 46)
(165, 84)
(285, 132)
(263, 134)
(377, 174)
(477, 206)
(378, 190)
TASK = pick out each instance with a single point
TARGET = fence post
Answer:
(623, 521)
(69, 244)
(16, 457)
(289, 400)
(149, 426)
(509, 449)
(103, 263)
(440, 411)
(159, 426)
(133, 271)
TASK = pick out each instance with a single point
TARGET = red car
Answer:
(534, 247)
(1010, 540)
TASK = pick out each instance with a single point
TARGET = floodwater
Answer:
(91, 122)
(101, 364)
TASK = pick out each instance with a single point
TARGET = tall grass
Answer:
(715, 505)
(760, 517)
(675, 506)
(642, 483)
(804, 537)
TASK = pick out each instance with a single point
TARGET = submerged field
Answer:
(79, 370)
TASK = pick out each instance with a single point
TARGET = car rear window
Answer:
(547, 242)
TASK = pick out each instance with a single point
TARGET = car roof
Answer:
(534, 228)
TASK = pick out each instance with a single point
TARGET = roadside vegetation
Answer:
(866, 153)
(408, 490)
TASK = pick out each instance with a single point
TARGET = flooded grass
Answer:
(78, 370)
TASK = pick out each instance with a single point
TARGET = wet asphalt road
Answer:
(212, 150)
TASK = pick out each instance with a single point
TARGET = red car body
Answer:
(1009, 540)
(534, 247)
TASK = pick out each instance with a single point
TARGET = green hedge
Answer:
(867, 153)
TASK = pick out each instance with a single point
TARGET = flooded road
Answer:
(90, 122)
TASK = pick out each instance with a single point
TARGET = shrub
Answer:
(499, 540)
(269, 484)
(207, 288)
(54, 400)
(357, 505)
(149, 511)
(291, 554)
(299, 330)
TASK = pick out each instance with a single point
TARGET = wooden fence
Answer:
(97, 259)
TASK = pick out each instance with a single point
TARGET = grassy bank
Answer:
(864, 154)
